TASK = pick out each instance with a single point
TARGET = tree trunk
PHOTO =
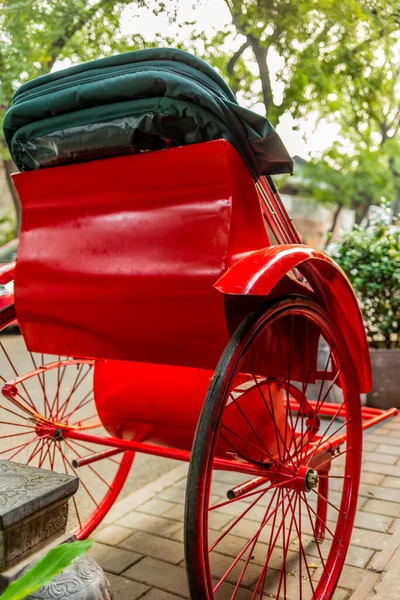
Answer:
(260, 53)
(9, 169)
(361, 212)
(336, 214)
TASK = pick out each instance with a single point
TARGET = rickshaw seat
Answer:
(118, 257)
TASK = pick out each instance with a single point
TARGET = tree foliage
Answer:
(338, 180)
(338, 59)
(34, 34)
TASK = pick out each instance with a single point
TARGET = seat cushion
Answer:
(135, 102)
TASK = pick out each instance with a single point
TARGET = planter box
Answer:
(385, 365)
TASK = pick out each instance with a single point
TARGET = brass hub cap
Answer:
(311, 480)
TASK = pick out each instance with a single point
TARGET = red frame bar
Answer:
(370, 416)
(275, 213)
(223, 464)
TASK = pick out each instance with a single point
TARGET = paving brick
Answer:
(126, 589)
(379, 457)
(112, 535)
(155, 507)
(173, 494)
(181, 483)
(395, 526)
(383, 439)
(220, 565)
(387, 449)
(340, 594)
(374, 467)
(160, 595)
(370, 446)
(112, 559)
(391, 482)
(366, 520)
(373, 478)
(226, 590)
(356, 556)
(216, 519)
(394, 424)
(155, 546)
(351, 577)
(150, 523)
(381, 507)
(161, 575)
(374, 540)
(380, 493)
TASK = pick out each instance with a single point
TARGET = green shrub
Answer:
(371, 259)
(7, 227)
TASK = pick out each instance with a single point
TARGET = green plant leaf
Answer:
(46, 569)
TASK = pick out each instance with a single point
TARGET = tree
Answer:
(338, 181)
(34, 34)
(367, 101)
(296, 34)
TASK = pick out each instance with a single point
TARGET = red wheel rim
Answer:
(266, 542)
(48, 400)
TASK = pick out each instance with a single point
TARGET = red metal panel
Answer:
(117, 258)
(161, 404)
(259, 272)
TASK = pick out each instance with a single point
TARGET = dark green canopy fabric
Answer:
(135, 102)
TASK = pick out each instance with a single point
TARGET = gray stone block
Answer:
(33, 509)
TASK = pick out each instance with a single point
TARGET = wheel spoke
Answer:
(271, 546)
(282, 425)
(12, 424)
(325, 439)
(265, 521)
(35, 451)
(253, 545)
(30, 401)
(75, 387)
(20, 448)
(302, 554)
(271, 414)
(326, 527)
(90, 466)
(260, 491)
(78, 407)
(314, 532)
(254, 446)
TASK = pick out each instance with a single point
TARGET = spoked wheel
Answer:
(283, 534)
(48, 395)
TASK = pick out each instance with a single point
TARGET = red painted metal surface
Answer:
(162, 404)
(259, 272)
(117, 258)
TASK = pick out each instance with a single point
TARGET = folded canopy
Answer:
(135, 102)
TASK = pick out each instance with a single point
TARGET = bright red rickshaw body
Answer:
(115, 263)
(183, 287)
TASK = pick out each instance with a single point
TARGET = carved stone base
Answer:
(7, 577)
(33, 509)
(83, 580)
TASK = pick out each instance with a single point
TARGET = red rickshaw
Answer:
(169, 307)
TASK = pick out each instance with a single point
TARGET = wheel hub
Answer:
(303, 479)
(311, 480)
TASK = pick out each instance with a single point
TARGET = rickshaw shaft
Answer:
(222, 464)
(88, 460)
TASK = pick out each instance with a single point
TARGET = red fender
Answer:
(259, 272)
(7, 273)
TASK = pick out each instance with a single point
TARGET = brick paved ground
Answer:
(140, 544)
